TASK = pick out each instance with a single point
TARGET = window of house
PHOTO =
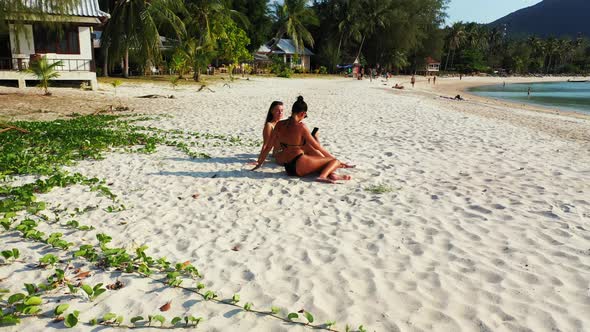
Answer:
(60, 41)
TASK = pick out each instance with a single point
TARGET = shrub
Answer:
(323, 70)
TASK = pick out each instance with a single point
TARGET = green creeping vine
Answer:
(43, 151)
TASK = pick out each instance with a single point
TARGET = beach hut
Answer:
(285, 48)
(71, 43)
(432, 66)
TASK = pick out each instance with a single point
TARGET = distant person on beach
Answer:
(529, 92)
(413, 80)
(397, 86)
(428, 79)
(291, 136)
(434, 80)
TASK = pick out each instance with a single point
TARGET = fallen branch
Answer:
(7, 128)
(204, 87)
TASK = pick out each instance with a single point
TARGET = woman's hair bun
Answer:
(300, 99)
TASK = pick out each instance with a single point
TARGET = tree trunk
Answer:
(126, 64)
(453, 59)
(198, 74)
(447, 61)
(105, 67)
(339, 45)
(360, 48)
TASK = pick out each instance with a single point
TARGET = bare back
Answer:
(290, 138)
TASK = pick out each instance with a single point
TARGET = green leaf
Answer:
(98, 292)
(292, 316)
(15, 298)
(34, 300)
(31, 289)
(109, 316)
(235, 298)
(87, 289)
(159, 318)
(309, 317)
(60, 309)
(31, 310)
(275, 310)
(119, 320)
(136, 319)
(71, 320)
(93, 322)
(9, 320)
(248, 306)
(200, 286)
(176, 320)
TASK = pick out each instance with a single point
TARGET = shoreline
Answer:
(462, 87)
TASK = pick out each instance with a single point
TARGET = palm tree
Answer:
(551, 47)
(456, 38)
(44, 71)
(205, 22)
(134, 26)
(293, 17)
(375, 15)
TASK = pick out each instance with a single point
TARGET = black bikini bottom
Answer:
(291, 167)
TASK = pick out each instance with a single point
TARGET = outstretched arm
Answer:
(268, 145)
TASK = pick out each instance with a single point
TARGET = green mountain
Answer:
(557, 18)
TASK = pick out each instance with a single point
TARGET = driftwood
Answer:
(156, 96)
(7, 128)
(111, 110)
(204, 87)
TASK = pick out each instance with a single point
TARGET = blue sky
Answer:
(484, 11)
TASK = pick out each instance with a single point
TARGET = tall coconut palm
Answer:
(293, 17)
(134, 26)
(456, 38)
(375, 15)
(44, 71)
(205, 22)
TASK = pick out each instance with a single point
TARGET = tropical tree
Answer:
(455, 40)
(259, 22)
(133, 26)
(232, 45)
(44, 71)
(293, 18)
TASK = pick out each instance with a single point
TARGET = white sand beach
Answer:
(484, 226)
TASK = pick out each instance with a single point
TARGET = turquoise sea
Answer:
(557, 95)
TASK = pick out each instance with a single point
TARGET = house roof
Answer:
(431, 61)
(84, 8)
(283, 46)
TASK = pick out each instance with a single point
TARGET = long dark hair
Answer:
(299, 106)
(274, 104)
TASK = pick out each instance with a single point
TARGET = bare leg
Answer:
(309, 164)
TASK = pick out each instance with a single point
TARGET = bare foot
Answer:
(337, 177)
(325, 180)
(345, 165)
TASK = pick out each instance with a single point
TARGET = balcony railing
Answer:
(68, 65)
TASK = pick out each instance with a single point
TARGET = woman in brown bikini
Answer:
(291, 136)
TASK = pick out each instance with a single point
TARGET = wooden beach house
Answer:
(285, 48)
(432, 66)
(67, 39)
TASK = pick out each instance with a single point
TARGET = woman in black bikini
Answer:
(292, 136)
